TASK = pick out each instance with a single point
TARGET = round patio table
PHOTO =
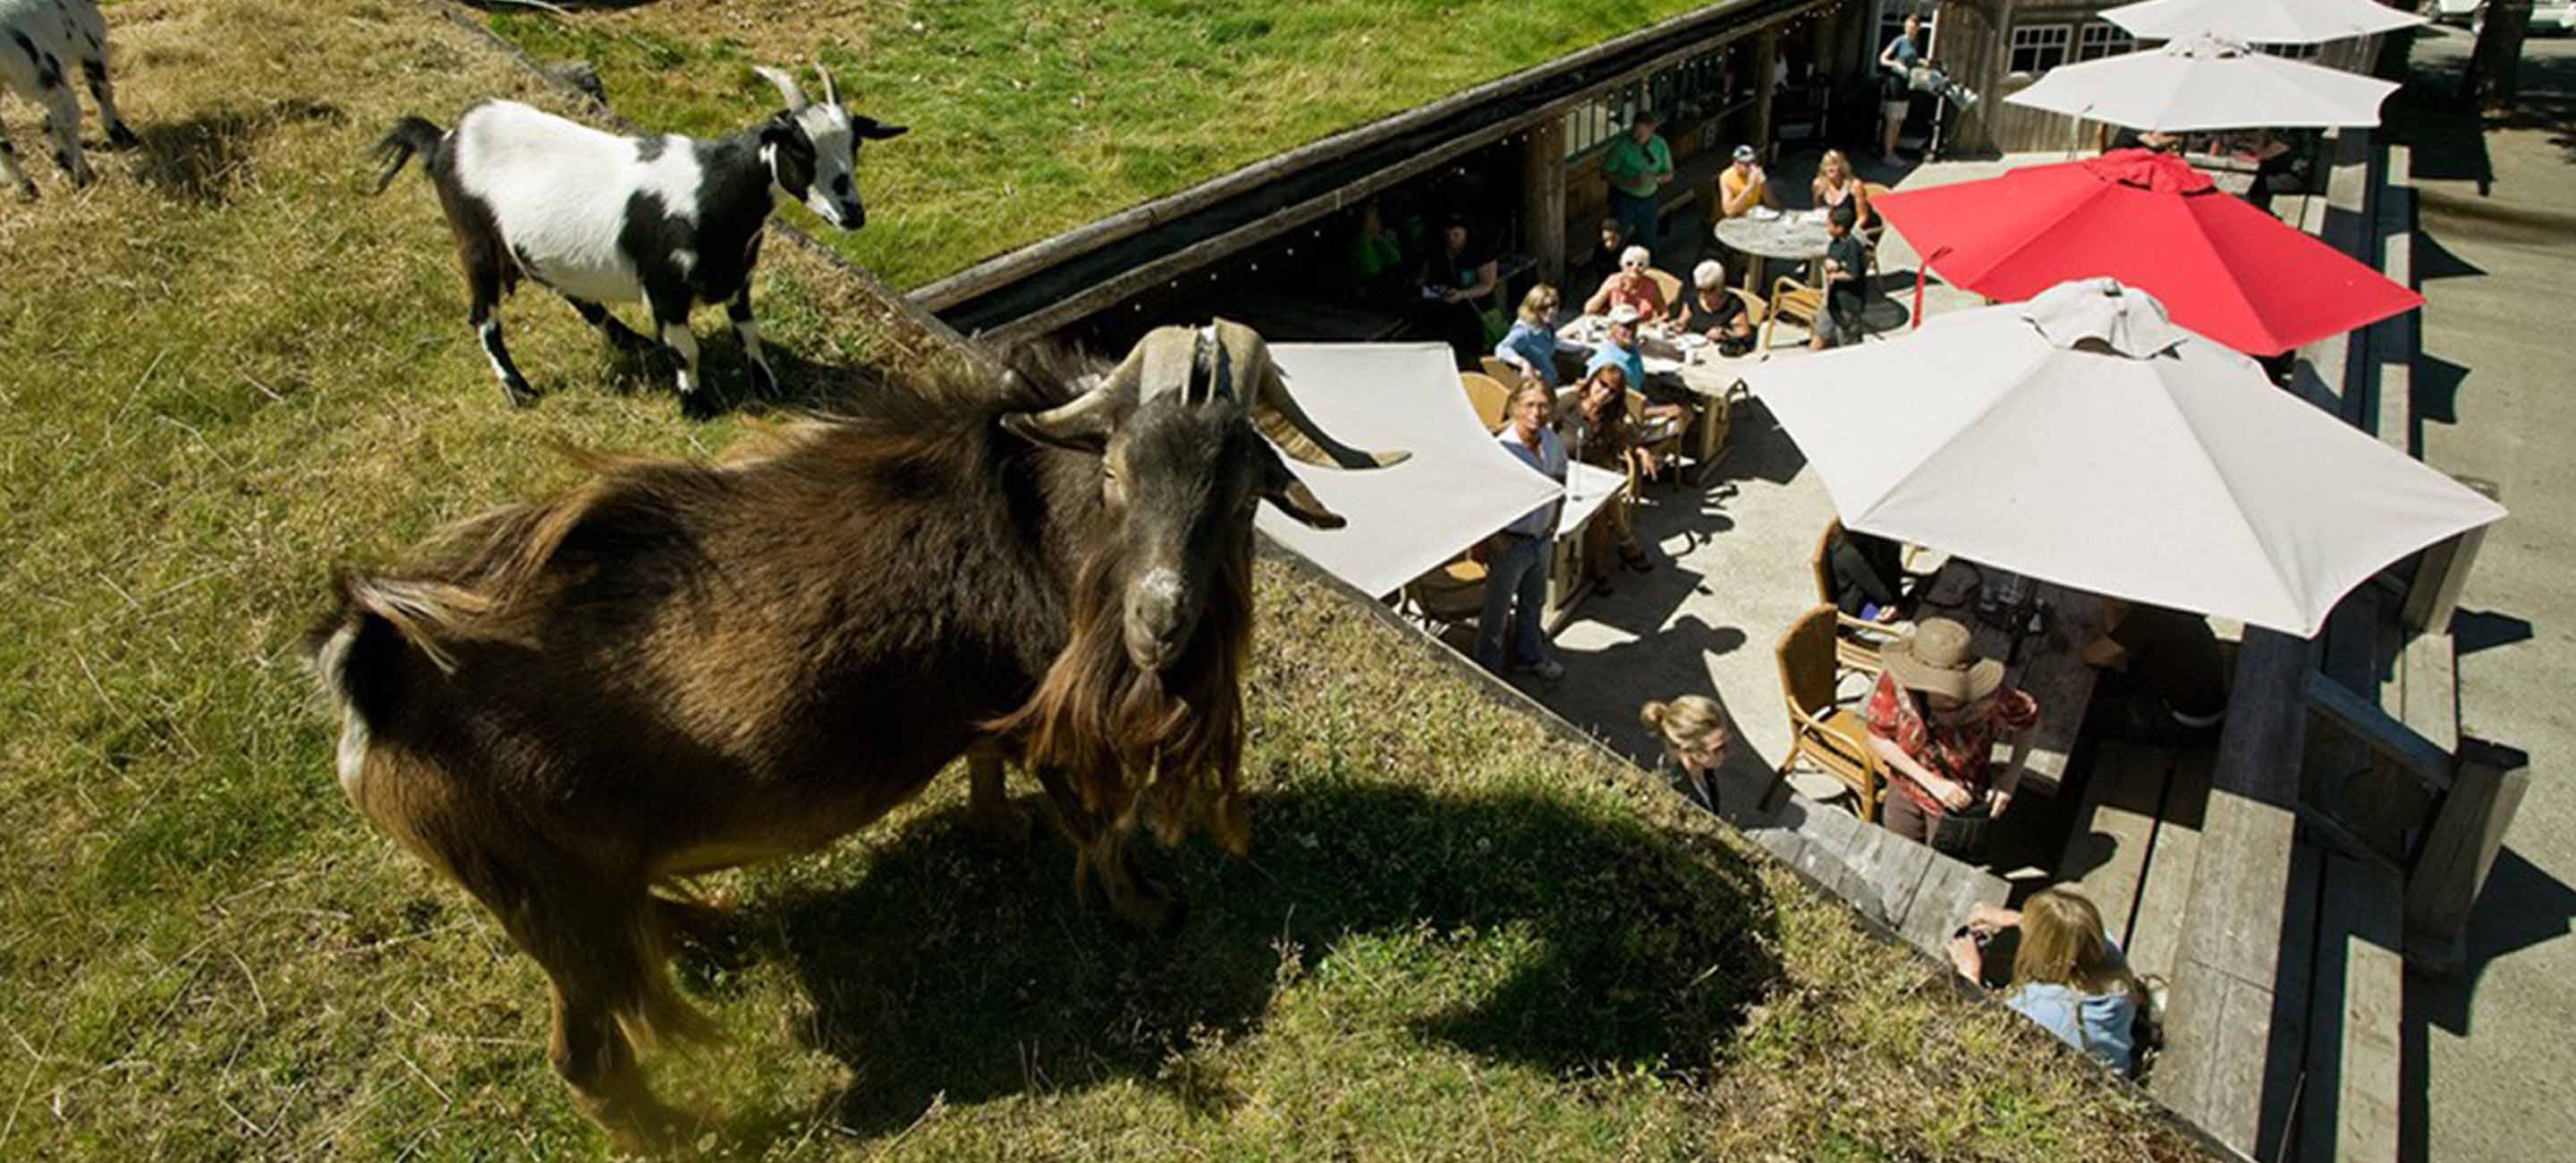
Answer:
(1794, 235)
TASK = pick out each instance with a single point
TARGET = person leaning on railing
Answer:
(2067, 972)
(1695, 733)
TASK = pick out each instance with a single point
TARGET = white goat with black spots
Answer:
(670, 220)
(41, 42)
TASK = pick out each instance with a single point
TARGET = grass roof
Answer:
(1455, 937)
(1032, 118)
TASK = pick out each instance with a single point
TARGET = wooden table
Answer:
(2049, 665)
(1796, 235)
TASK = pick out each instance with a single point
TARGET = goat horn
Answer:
(831, 96)
(786, 87)
(1276, 414)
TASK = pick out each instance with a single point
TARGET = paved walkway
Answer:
(2494, 1051)
(1731, 560)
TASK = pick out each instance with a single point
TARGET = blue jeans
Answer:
(1637, 216)
(1518, 572)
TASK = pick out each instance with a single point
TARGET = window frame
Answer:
(2038, 44)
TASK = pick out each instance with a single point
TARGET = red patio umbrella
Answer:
(2221, 267)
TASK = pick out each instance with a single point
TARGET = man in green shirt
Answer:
(1638, 165)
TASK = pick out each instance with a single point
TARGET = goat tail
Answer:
(408, 136)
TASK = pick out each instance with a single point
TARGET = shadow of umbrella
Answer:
(946, 967)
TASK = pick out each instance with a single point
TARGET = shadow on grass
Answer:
(198, 160)
(955, 968)
(724, 377)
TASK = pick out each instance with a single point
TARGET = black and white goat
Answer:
(40, 42)
(671, 220)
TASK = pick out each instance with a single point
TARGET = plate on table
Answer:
(1657, 365)
(1691, 340)
(1762, 214)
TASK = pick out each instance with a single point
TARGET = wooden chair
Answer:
(1490, 398)
(1503, 373)
(1871, 235)
(1856, 641)
(1452, 595)
(1793, 300)
(1664, 445)
(1668, 283)
(1833, 739)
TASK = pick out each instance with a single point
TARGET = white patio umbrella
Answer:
(2261, 21)
(2083, 439)
(2206, 82)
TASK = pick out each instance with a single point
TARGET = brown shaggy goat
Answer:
(677, 667)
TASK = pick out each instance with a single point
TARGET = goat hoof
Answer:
(119, 136)
(521, 395)
(698, 405)
(763, 384)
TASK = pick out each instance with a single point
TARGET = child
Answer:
(1845, 261)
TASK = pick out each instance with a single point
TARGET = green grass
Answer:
(230, 371)
(1032, 118)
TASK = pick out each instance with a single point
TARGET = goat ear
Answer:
(874, 130)
(1282, 488)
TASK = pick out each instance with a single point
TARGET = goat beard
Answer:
(1131, 739)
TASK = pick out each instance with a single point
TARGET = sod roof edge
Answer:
(1055, 281)
(934, 339)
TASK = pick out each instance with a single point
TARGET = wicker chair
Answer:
(1452, 595)
(1791, 299)
(1668, 283)
(1491, 399)
(1833, 739)
(1503, 373)
(1856, 641)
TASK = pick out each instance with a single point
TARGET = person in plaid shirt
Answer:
(1933, 721)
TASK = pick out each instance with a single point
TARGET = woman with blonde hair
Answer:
(1695, 733)
(1531, 343)
(1836, 184)
(2068, 974)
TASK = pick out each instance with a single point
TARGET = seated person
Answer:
(1596, 431)
(1933, 721)
(2067, 972)
(1623, 347)
(1846, 261)
(1869, 575)
(1531, 343)
(2155, 140)
(1741, 186)
(1836, 185)
(1631, 287)
(1374, 260)
(1459, 278)
(1603, 261)
(1713, 311)
(2164, 682)
(1694, 732)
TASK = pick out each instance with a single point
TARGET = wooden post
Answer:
(1766, 59)
(2459, 851)
(1543, 197)
(2434, 592)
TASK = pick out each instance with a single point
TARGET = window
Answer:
(2037, 49)
(2098, 39)
(2296, 52)
(1594, 122)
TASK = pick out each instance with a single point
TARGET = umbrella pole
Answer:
(1919, 271)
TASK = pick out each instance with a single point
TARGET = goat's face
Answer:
(1179, 428)
(812, 151)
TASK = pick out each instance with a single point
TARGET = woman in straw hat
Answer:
(1933, 720)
